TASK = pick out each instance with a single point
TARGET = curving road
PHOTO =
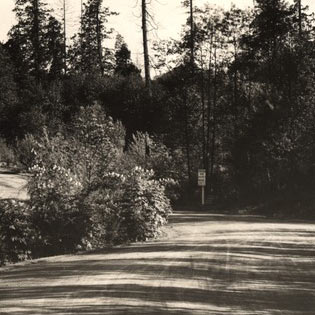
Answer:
(12, 185)
(204, 264)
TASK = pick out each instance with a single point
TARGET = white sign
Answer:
(201, 177)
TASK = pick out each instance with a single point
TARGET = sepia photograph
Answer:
(157, 157)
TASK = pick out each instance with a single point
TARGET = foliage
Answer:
(87, 52)
(243, 109)
(152, 154)
(56, 211)
(16, 231)
(130, 207)
(7, 154)
(24, 151)
(64, 168)
(145, 207)
(78, 198)
(97, 143)
(123, 63)
(30, 39)
(8, 92)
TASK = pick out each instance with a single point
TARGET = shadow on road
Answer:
(215, 265)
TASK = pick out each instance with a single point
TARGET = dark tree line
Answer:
(235, 94)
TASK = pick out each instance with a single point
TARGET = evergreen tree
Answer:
(123, 64)
(55, 47)
(8, 94)
(34, 42)
(88, 52)
(28, 36)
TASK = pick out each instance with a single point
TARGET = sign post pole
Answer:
(202, 183)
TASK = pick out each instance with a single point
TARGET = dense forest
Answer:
(234, 95)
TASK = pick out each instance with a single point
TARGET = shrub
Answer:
(7, 155)
(104, 204)
(144, 206)
(152, 154)
(96, 144)
(67, 168)
(77, 197)
(57, 214)
(24, 150)
(131, 207)
(16, 231)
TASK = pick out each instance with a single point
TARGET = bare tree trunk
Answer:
(36, 40)
(235, 92)
(81, 29)
(192, 36)
(64, 38)
(300, 17)
(203, 102)
(209, 113)
(187, 135)
(214, 124)
(99, 41)
(145, 48)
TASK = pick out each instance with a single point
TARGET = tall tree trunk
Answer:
(192, 36)
(187, 136)
(209, 115)
(203, 102)
(145, 48)
(64, 38)
(99, 40)
(300, 17)
(235, 90)
(214, 123)
(36, 40)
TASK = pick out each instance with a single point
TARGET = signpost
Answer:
(202, 183)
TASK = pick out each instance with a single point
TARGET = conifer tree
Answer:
(123, 64)
(88, 52)
(31, 40)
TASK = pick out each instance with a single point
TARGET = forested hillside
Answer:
(234, 95)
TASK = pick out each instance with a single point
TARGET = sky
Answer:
(169, 16)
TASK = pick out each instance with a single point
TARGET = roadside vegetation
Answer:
(85, 192)
(108, 151)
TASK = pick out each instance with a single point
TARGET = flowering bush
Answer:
(97, 145)
(83, 196)
(130, 207)
(103, 203)
(67, 168)
(152, 154)
(144, 206)
(56, 210)
(24, 151)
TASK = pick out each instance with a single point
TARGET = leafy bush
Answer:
(144, 207)
(57, 214)
(96, 145)
(24, 151)
(152, 154)
(131, 207)
(67, 168)
(7, 154)
(77, 196)
(16, 231)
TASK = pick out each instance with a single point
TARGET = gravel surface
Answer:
(12, 185)
(204, 264)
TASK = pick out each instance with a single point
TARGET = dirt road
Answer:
(207, 264)
(12, 185)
